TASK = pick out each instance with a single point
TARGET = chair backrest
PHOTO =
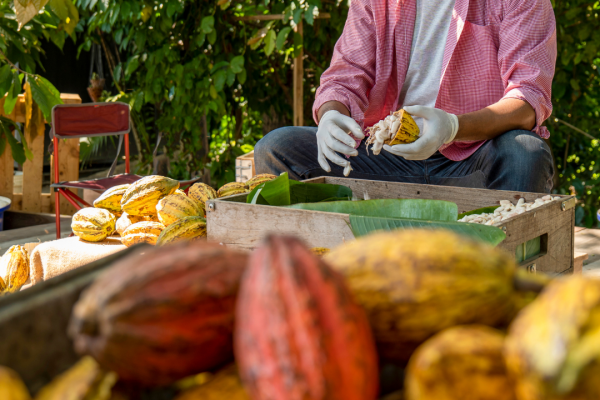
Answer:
(90, 119)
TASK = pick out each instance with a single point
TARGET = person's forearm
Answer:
(332, 105)
(504, 116)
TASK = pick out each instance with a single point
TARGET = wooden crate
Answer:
(244, 167)
(233, 222)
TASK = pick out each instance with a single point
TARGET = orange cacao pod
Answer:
(157, 317)
(299, 334)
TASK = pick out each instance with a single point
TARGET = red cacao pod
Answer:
(163, 315)
(299, 333)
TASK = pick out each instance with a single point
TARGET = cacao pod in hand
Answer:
(415, 283)
(462, 362)
(552, 349)
(299, 334)
(160, 316)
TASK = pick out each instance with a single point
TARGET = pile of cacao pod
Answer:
(450, 317)
(153, 210)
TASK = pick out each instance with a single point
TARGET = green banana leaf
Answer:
(363, 225)
(486, 210)
(436, 210)
(283, 191)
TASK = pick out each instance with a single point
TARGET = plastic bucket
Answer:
(4, 205)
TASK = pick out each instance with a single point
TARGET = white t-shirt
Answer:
(424, 73)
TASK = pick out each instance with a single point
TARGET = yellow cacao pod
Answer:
(462, 362)
(258, 179)
(407, 132)
(84, 380)
(2, 285)
(14, 268)
(142, 196)
(93, 224)
(232, 188)
(188, 228)
(320, 251)
(111, 199)
(142, 232)
(11, 386)
(226, 384)
(175, 206)
(127, 220)
(201, 192)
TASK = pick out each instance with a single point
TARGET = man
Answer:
(476, 75)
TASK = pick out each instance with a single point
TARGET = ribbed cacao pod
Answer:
(552, 346)
(142, 196)
(415, 283)
(126, 220)
(299, 334)
(258, 179)
(93, 224)
(225, 385)
(2, 286)
(201, 192)
(142, 232)
(14, 268)
(85, 380)
(186, 229)
(160, 316)
(462, 362)
(111, 198)
(11, 386)
(176, 206)
(229, 189)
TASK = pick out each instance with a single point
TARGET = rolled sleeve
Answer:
(351, 74)
(527, 55)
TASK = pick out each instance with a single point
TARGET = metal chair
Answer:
(87, 120)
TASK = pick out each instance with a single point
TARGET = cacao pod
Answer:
(14, 268)
(415, 283)
(399, 395)
(11, 386)
(2, 285)
(552, 346)
(201, 192)
(160, 316)
(462, 362)
(111, 198)
(258, 179)
(225, 385)
(318, 344)
(93, 224)
(85, 380)
(142, 232)
(142, 196)
(186, 229)
(320, 251)
(174, 207)
(126, 220)
(229, 189)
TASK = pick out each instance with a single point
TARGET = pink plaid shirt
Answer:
(496, 49)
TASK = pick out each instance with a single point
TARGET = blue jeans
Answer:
(516, 160)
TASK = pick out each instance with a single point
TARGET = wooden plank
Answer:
(68, 159)
(33, 170)
(47, 202)
(299, 83)
(244, 226)
(579, 259)
(6, 173)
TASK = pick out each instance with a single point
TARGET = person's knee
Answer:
(274, 142)
(523, 150)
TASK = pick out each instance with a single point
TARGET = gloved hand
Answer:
(439, 127)
(332, 136)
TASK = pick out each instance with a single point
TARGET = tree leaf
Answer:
(212, 37)
(60, 9)
(242, 77)
(28, 104)
(16, 148)
(45, 95)
(309, 15)
(171, 9)
(26, 13)
(132, 65)
(207, 24)
(481, 210)
(270, 42)
(13, 94)
(219, 79)
(364, 225)
(282, 37)
(435, 210)
(139, 101)
(5, 79)
(237, 64)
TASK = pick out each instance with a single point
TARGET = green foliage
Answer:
(575, 99)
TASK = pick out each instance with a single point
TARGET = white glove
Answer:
(439, 127)
(332, 136)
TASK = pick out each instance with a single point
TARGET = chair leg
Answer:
(57, 211)
(127, 169)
